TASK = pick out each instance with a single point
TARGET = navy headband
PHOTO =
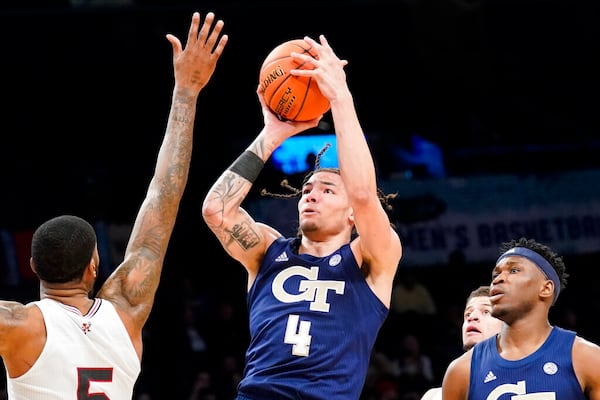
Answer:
(538, 260)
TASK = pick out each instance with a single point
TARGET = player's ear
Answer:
(32, 265)
(547, 290)
(93, 268)
(94, 262)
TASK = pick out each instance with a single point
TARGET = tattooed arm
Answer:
(132, 286)
(243, 238)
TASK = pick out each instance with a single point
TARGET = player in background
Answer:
(478, 324)
(530, 358)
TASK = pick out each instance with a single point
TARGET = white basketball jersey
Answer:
(85, 356)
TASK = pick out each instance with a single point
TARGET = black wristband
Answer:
(248, 165)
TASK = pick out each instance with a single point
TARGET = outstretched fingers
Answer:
(322, 46)
(221, 45)
(193, 32)
(206, 36)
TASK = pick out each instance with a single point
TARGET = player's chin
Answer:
(472, 339)
(308, 225)
(468, 344)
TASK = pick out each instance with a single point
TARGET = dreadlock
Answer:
(384, 198)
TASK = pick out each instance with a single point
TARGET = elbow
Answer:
(212, 212)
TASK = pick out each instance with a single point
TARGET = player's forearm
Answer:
(354, 156)
(174, 157)
(158, 211)
(266, 142)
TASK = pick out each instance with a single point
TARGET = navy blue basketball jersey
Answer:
(313, 325)
(547, 374)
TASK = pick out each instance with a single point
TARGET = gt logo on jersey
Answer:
(311, 289)
(520, 392)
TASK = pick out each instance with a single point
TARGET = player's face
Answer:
(478, 323)
(324, 206)
(516, 283)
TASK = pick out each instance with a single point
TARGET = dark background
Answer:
(502, 86)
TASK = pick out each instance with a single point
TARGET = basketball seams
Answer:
(269, 61)
(283, 81)
(293, 98)
(281, 48)
(304, 98)
(276, 90)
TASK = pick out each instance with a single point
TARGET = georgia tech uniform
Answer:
(546, 374)
(85, 356)
(313, 325)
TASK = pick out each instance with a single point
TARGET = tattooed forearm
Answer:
(182, 113)
(257, 147)
(263, 148)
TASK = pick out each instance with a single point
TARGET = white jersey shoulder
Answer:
(84, 355)
(433, 394)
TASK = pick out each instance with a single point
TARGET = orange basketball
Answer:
(292, 98)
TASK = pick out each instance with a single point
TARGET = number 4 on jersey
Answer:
(298, 336)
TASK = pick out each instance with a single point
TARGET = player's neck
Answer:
(320, 248)
(522, 339)
(73, 296)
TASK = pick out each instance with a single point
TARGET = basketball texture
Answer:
(292, 98)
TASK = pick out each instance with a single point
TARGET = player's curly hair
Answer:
(384, 198)
(554, 259)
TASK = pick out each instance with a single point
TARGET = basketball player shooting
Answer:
(316, 301)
